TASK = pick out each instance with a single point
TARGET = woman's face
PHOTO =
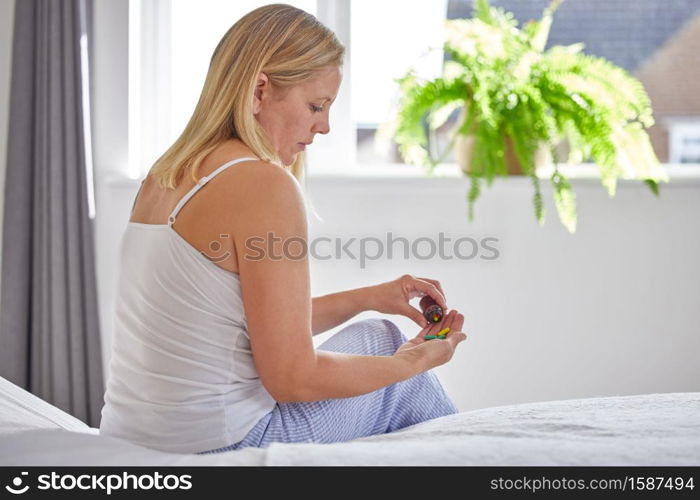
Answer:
(292, 117)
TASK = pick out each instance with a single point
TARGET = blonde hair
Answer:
(290, 46)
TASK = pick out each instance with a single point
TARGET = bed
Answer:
(649, 429)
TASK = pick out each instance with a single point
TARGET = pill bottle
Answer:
(431, 310)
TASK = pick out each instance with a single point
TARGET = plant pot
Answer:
(464, 151)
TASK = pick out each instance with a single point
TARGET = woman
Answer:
(212, 346)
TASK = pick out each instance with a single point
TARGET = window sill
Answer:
(119, 180)
(588, 171)
(678, 173)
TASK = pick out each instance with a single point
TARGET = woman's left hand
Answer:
(393, 297)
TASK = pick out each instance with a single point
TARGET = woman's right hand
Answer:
(422, 355)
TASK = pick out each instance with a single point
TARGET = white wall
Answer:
(610, 310)
(110, 143)
(7, 9)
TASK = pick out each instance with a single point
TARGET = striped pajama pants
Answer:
(390, 408)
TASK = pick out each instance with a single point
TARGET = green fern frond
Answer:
(609, 84)
(489, 153)
(495, 16)
(578, 148)
(544, 125)
(539, 31)
(636, 155)
(474, 192)
(524, 145)
(565, 201)
(439, 116)
(417, 101)
(653, 186)
(482, 11)
(537, 199)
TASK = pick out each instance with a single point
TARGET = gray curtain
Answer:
(49, 326)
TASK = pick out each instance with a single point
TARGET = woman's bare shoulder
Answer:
(258, 175)
(250, 189)
(254, 168)
(258, 182)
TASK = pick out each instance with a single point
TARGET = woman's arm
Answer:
(329, 311)
(392, 297)
(276, 295)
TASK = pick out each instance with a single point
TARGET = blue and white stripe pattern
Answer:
(388, 409)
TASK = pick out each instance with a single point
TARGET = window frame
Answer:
(679, 129)
(149, 72)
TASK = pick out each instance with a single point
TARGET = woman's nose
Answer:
(322, 127)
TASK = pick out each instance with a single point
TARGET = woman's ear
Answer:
(262, 86)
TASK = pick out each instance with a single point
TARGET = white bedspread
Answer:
(655, 429)
(652, 429)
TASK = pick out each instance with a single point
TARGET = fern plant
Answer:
(509, 87)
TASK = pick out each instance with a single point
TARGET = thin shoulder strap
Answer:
(200, 183)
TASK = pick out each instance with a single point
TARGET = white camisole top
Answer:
(182, 377)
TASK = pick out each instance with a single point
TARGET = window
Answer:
(171, 42)
(389, 37)
(685, 142)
